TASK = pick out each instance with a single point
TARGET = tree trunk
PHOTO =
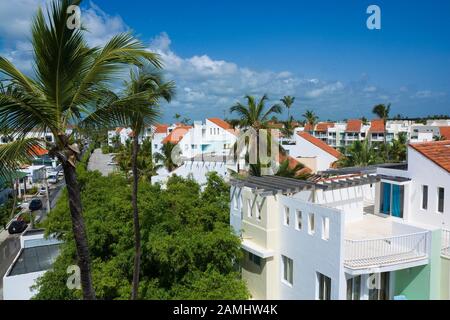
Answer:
(79, 230)
(386, 153)
(137, 232)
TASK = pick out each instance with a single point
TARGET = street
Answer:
(10, 244)
(99, 161)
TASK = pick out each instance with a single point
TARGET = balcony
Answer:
(445, 243)
(380, 243)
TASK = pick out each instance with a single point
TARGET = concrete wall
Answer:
(310, 252)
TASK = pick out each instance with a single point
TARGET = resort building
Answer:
(373, 233)
(36, 256)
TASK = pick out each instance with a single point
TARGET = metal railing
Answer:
(385, 251)
(445, 251)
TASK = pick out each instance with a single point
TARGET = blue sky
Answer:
(319, 51)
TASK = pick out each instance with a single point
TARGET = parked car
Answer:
(35, 204)
(43, 191)
(17, 226)
(61, 173)
(52, 178)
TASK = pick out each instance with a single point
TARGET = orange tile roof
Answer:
(161, 128)
(323, 126)
(377, 126)
(38, 151)
(354, 125)
(308, 127)
(176, 135)
(436, 151)
(118, 130)
(445, 132)
(320, 144)
(224, 125)
(293, 163)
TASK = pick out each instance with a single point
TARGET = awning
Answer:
(256, 250)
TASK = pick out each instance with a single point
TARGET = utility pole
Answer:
(47, 194)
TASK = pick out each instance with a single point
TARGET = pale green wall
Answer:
(423, 282)
(445, 279)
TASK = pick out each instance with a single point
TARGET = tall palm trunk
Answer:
(386, 153)
(79, 230)
(137, 232)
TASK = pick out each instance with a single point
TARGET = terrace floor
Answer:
(370, 227)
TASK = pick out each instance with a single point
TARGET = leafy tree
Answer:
(288, 129)
(285, 171)
(69, 86)
(398, 148)
(188, 249)
(382, 111)
(359, 154)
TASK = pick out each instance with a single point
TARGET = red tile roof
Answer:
(354, 125)
(161, 128)
(118, 130)
(445, 132)
(377, 126)
(293, 163)
(177, 134)
(320, 144)
(436, 151)
(38, 151)
(323, 126)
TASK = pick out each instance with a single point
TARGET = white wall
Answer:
(424, 172)
(18, 287)
(311, 253)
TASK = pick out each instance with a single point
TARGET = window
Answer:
(325, 228)
(288, 272)
(249, 208)
(425, 197)
(286, 216)
(254, 259)
(311, 226)
(440, 200)
(354, 288)
(324, 287)
(391, 199)
(298, 223)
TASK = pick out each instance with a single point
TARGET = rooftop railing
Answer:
(385, 251)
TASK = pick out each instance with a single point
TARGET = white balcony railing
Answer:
(445, 243)
(385, 251)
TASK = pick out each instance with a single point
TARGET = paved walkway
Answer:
(99, 161)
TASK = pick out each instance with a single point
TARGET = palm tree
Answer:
(359, 154)
(382, 111)
(69, 86)
(285, 171)
(288, 129)
(311, 118)
(397, 151)
(149, 85)
(253, 114)
(288, 101)
(166, 156)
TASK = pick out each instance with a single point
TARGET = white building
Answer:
(310, 151)
(35, 257)
(356, 233)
